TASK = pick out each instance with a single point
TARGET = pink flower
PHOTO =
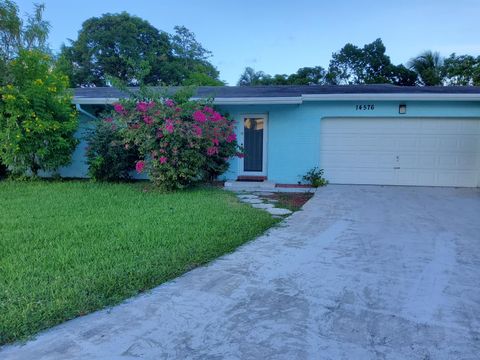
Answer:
(159, 134)
(169, 103)
(139, 166)
(162, 159)
(199, 116)
(240, 155)
(212, 150)
(215, 142)
(232, 137)
(198, 130)
(108, 119)
(148, 120)
(119, 108)
(216, 116)
(142, 106)
(208, 110)
(169, 125)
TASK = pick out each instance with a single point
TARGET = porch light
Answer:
(402, 109)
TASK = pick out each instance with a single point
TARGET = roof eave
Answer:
(308, 97)
(391, 97)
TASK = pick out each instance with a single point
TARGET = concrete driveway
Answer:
(364, 272)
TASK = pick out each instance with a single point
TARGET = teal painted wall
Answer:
(293, 131)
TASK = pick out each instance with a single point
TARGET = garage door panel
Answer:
(401, 151)
(362, 176)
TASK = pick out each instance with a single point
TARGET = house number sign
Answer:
(364, 107)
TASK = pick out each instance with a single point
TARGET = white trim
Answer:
(256, 100)
(311, 97)
(387, 97)
(94, 101)
(264, 116)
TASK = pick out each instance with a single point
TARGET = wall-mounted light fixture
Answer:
(402, 109)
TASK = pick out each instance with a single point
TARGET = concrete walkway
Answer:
(364, 272)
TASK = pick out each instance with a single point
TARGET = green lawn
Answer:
(68, 248)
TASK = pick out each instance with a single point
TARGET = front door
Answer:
(254, 144)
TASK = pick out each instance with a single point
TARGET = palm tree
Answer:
(429, 67)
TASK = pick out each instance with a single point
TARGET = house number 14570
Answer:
(365, 107)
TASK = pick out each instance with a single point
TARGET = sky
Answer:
(280, 36)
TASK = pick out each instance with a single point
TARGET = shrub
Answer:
(181, 142)
(108, 158)
(315, 177)
(3, 171)
(37, 120)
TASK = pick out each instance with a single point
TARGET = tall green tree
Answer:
(121, 46)
(192, 59)
(429, 67)
(17, 33)
(367, 65)
(462, 70)
(130, 49)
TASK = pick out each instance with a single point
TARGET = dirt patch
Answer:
(291, 201)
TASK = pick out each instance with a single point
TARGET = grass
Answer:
(69, 248)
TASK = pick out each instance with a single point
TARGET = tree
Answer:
(121, 46)
(192, 59)
(367, 65)
(429, 67)
(308, 76)
(462, 70)
(303, 76)
(37, 121)
(17, 34)
(250, 77)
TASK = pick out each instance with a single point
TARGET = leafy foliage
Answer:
(181, 142)
(429, 67)
(462, 70)
(17, 34)
(315, 177)
(351, 65)
(304, 76)
(37, 121)
(367, 65)
(132, 50)
(108, 158)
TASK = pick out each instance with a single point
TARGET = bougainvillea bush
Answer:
(180, 142)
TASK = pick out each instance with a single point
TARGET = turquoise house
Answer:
(359, 134)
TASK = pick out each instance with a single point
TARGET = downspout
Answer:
(86, 113)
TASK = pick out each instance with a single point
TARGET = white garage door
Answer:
(401, 151)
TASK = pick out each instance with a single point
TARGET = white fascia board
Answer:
(216, 101)
(392, 97)
(256, 100)
(94, 101)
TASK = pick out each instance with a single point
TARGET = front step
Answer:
(250, 185)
